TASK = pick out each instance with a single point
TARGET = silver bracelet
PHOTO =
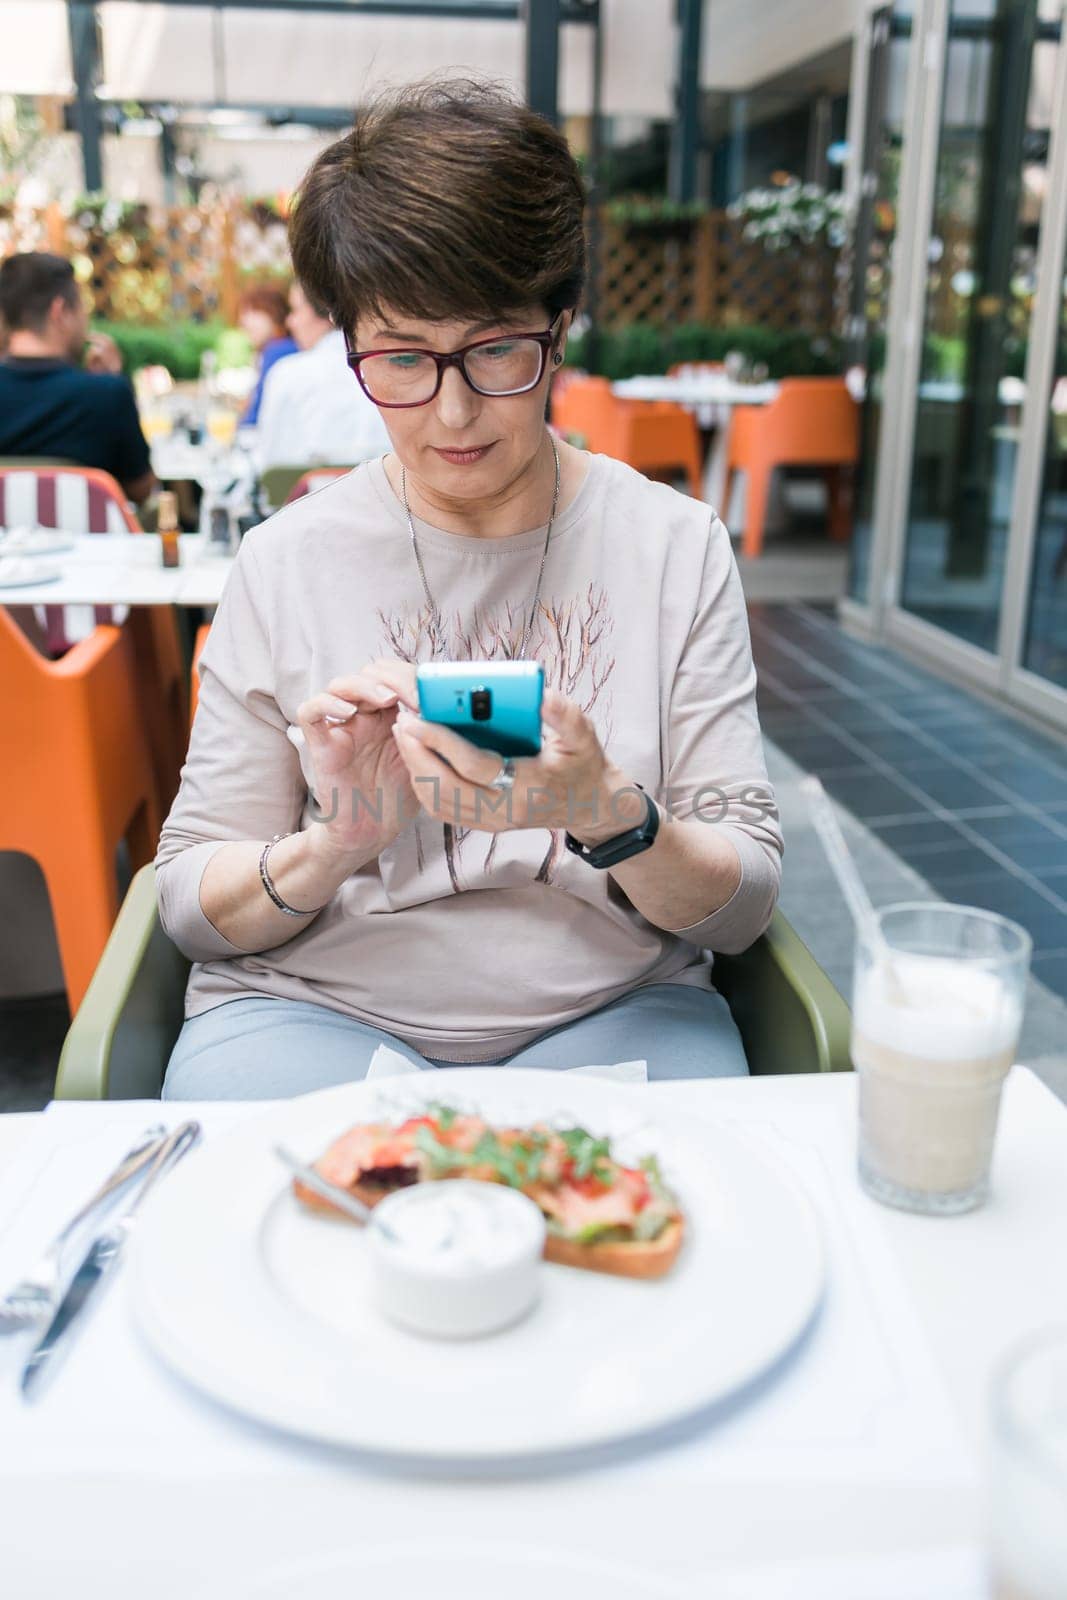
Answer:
(290, 911)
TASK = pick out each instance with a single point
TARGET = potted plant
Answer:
(791, 213)
(651, 215)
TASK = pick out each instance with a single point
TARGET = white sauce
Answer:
(457, 1258)
(456, 1228)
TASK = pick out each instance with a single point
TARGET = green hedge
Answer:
(641, 348)
(624, 352)
(177, 346)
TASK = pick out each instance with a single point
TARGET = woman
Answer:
(342, 873)
(263, 312)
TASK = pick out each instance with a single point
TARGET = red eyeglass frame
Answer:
(453, 358)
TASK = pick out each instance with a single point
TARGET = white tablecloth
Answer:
(127, 569)
(175, 460)
(696, 390)
(123, 1482)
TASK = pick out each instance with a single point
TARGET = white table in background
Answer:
(126, 1483)
(127, 570)
(711, 396)
(175, 460)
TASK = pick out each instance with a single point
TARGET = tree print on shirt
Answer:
(570, 640)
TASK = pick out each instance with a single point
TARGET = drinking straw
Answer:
(846, 872)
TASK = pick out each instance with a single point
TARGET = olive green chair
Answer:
(789, 1014)
(279, 482)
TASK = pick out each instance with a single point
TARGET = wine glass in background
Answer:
(209, 375)
(736, 364)
(222, 426)
(156, 422)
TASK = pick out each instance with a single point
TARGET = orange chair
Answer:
(811, 422)
(194, 673)
(75, 778)
(652, 436)
(582, 406)
(83, 500)
(658, 436)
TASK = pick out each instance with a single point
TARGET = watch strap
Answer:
(610, 852)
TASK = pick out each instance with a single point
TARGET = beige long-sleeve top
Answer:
(469, 946)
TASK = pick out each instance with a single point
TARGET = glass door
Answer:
(990, 187)
(1045, 644)
(888, 43)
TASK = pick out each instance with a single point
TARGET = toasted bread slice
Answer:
(621, 1257)
(625, 1258)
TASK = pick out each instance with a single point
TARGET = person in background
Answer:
(310, 412)
(62, 393)
(262, 311)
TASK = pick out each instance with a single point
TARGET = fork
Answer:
(37, 1292)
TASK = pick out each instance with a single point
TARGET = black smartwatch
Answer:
(624, 845)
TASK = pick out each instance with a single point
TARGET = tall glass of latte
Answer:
(937, 1008)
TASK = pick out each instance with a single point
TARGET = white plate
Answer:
(455, 1570)
(34, 542)
(24, 572)
(267, 1306)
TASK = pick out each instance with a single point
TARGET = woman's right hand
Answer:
(362, 787)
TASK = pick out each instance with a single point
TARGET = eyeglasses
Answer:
(513, 364)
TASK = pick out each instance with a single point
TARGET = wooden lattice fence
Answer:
(158, 264)
(704, 271)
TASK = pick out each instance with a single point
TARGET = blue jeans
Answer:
(258, 1049)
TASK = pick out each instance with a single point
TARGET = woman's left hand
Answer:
(571, 784)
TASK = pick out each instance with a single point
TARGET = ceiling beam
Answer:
(541, 56)
(580, 11)
(85, 68)
(685, 130)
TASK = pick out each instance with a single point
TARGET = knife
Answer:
(33, 1299)
(99, 1259)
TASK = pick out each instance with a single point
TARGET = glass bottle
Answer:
(167, 528)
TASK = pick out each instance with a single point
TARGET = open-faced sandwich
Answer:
(599, 1214)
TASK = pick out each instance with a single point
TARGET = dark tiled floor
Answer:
(973, 799)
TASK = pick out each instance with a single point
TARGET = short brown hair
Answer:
(447, 200)
(28, 285)
(269, 299)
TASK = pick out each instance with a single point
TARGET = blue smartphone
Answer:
(494, 704)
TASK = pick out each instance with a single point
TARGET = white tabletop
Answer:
(174, 459)
(698, 389)
(127, 570)
(866, 1445)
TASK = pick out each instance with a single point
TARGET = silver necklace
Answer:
(435, 615)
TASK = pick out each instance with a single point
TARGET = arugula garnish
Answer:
(656, 1181)
(514, 1164)
(444, 1116)
(591, 1157)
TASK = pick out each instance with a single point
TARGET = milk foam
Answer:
(937, 1008)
